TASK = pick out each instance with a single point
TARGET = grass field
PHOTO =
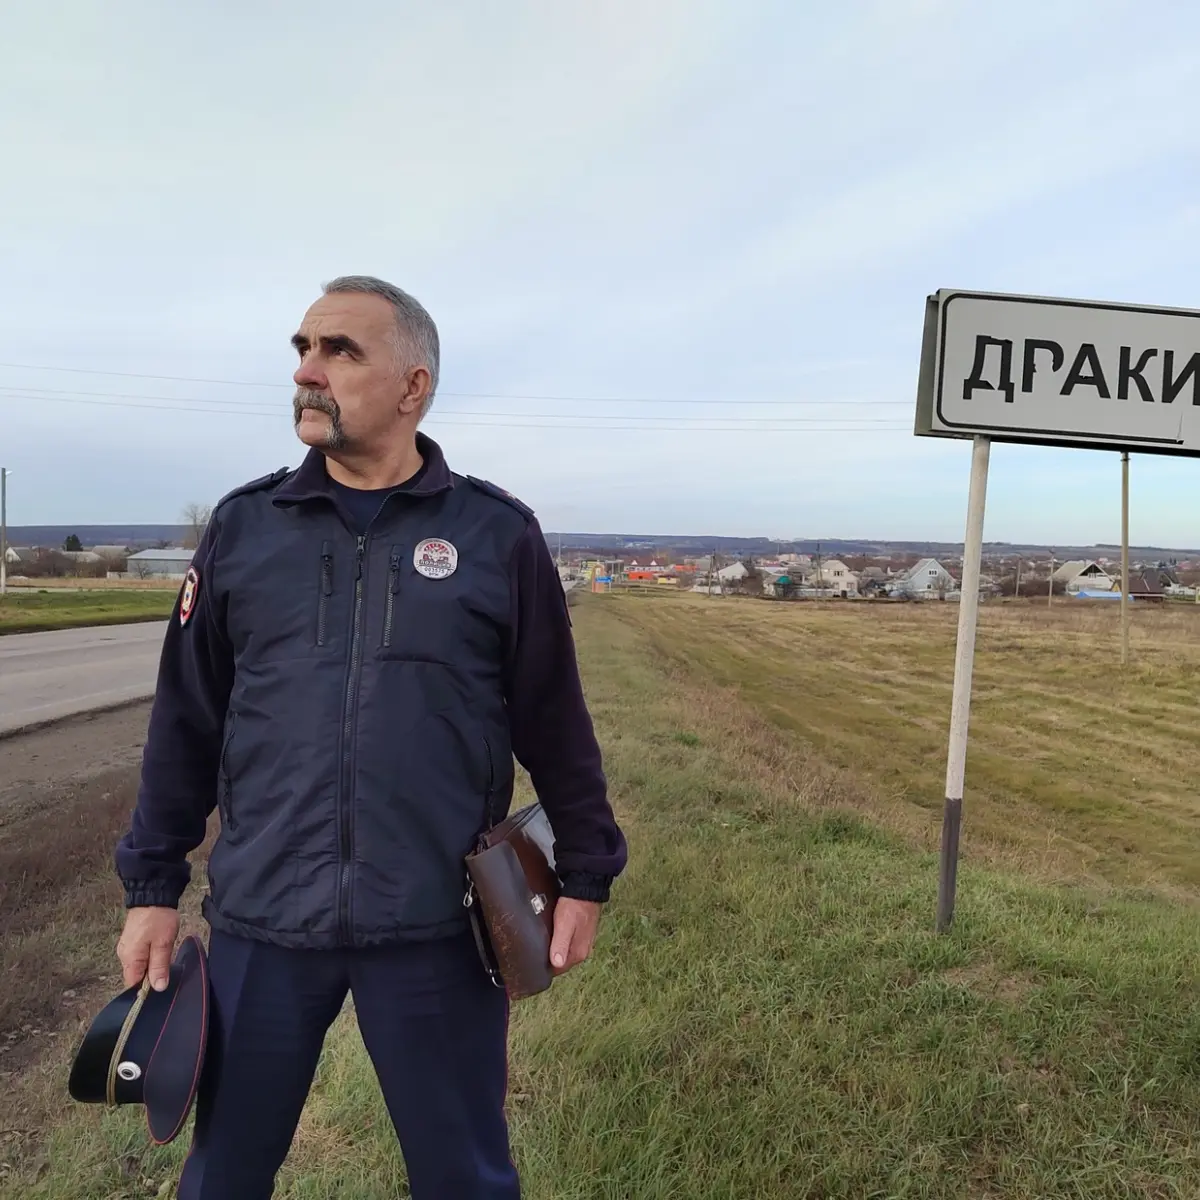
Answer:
(26, 611)
(92, 583)
(768, 1013)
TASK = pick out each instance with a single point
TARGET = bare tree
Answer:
(196, 518)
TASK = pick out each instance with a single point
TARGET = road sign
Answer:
(1060, 372)
(604, 579)
(1044, 371)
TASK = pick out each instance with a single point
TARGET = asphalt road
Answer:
(46, 676)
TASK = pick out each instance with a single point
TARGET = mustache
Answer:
(308, 398)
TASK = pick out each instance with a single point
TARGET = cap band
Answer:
(126, 1029)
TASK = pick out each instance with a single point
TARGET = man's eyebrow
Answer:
(329, 343)
(341, 341)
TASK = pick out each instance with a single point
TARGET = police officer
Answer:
(359, 650)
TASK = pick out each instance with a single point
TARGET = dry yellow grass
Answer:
(92, 584)
(1076, 767)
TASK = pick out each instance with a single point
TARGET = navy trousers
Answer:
(436, 1031)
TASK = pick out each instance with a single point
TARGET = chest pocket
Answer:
(288, 597)
(438, 617)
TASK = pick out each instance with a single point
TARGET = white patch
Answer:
(435, 558)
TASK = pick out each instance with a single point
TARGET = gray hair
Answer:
(416, 334)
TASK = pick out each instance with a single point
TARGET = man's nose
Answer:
(309, 374)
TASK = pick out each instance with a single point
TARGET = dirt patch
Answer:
(988, 982)
(75, 749)
(66, 793)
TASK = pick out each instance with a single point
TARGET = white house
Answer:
(733, 573)
(1082, 575)
(928, 580)
(834, 576)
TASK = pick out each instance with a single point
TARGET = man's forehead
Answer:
(348, 312)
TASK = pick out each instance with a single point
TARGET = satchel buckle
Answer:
(539, 903)
(469, 898)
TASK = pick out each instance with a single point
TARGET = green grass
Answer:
(768, 1012)
(29, 612)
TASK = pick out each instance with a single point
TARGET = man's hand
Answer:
(575, 924)
(146, 945)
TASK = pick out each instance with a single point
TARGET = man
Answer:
(359, 650)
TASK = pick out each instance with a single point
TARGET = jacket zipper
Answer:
(226, 785)
(326, 590)
(345, 803)
(491, 784)
(393, 588)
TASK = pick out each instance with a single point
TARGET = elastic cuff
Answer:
(582, 885)
(150, 893)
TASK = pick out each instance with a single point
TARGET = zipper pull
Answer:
(358, 557)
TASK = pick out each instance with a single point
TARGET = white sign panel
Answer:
(1060, 372)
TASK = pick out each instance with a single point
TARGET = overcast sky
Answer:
(668, 217)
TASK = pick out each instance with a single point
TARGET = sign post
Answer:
(1044, 371)
(964, 663)
(1124, 558)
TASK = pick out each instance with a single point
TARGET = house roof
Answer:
(920, 567)
(1078, 566)
(173, 554)
(1145, 583)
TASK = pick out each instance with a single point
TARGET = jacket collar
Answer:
(310, 480)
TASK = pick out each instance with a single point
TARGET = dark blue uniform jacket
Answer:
(355, 718)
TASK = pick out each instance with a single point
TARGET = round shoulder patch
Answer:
(187, 601)
(435, 558)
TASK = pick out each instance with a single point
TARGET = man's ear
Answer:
(416, 388)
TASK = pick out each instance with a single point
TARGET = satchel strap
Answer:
(477, 931)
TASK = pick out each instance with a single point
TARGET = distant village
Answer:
(74, 560)
(899, 577)
(774, 577)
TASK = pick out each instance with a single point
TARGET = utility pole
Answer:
(3, 530)
(1017, 594)
(1124, 558)
(1050, 589)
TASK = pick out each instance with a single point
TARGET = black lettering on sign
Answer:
(1172, 387)
(1087, 357)
(1032, 346)
(976, 382)
(1134, 373)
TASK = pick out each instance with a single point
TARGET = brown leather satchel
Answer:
(512, 891)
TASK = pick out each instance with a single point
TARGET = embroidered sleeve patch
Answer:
(187, 601)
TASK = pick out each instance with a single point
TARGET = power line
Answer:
(458, 395)
(138, 375)
(488, 421)
(52, 394)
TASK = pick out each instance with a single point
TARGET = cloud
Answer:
(690, 200)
